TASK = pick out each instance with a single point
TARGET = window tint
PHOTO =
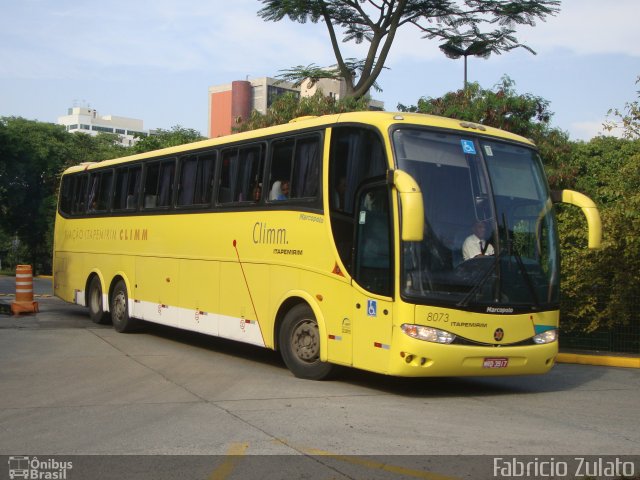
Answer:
(158, 184)
(196, 180)
(100, 186)
(127, 191)
(356, 156)
(241, 175)
(295, 168)
(306, 168)
(73, 195)
(373, 252)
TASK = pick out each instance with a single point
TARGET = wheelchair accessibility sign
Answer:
(372, 308)
(468, 147)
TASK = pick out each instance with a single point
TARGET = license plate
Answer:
(495, 363)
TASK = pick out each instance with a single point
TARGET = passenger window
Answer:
(158, 184)
(74, 194)
(280, 170)
(127, 191)
(241, 175)
(295, 168)
(100, 186)
(196, 180)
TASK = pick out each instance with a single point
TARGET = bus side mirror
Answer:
(589, 209)
(411, 205)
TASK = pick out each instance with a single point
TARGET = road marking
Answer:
(370, 464)
(234, 454)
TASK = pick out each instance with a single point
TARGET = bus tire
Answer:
(94, 302)
(299, 340)
(120, 309)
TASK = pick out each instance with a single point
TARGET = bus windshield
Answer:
(490, 241)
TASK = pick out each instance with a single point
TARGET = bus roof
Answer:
(381, 120)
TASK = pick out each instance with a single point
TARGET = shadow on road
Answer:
(55, 313)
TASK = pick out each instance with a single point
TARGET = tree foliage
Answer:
(32, 154)
(161, 138)
(288, 106)
(602, 286)
(627, 119)
(460, 23)
(502, 107)
(599, 288)
(32, 157)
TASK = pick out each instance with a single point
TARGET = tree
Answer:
(178, 135)
(32, 157)
(288, 106)
(628, 119)
(502, 107)
(602, 286)
(455, 23)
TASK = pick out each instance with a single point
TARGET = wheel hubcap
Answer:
(305, 341)
(120, 305)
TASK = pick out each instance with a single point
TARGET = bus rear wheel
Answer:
(299, 340)
(96, 312)
(120, 309)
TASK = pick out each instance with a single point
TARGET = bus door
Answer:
(373, 279)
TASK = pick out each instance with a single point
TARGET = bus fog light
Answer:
(428, 334)
(546, 337)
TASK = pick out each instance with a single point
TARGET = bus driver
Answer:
(476, 244)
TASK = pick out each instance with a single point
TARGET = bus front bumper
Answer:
(417, 358)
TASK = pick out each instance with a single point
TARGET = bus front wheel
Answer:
(96, 312)
(120, 309)
(299, 341)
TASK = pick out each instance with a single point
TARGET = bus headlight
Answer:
(428, 334)
(546, 337)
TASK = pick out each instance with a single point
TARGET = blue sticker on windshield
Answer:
(468, 147)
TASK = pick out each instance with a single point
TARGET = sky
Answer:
(155, 59)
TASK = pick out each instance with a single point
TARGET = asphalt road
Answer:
(70, 387)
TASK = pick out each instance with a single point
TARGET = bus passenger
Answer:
(257, 192)
(280, 190)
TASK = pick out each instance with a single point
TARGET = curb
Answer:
(599, 360)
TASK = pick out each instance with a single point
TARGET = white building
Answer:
(87, 120)
(334, 88)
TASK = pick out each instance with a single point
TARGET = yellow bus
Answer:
(403, 244)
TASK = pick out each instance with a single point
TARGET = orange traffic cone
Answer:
(24, 291)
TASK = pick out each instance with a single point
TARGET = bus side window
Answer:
(127, 189)
(79, 198)
(249, 173)
(306, 168)
(280, 169)
(295, 164)
(196, 180)
(73, 194)
(158, 184)
(100, 186)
